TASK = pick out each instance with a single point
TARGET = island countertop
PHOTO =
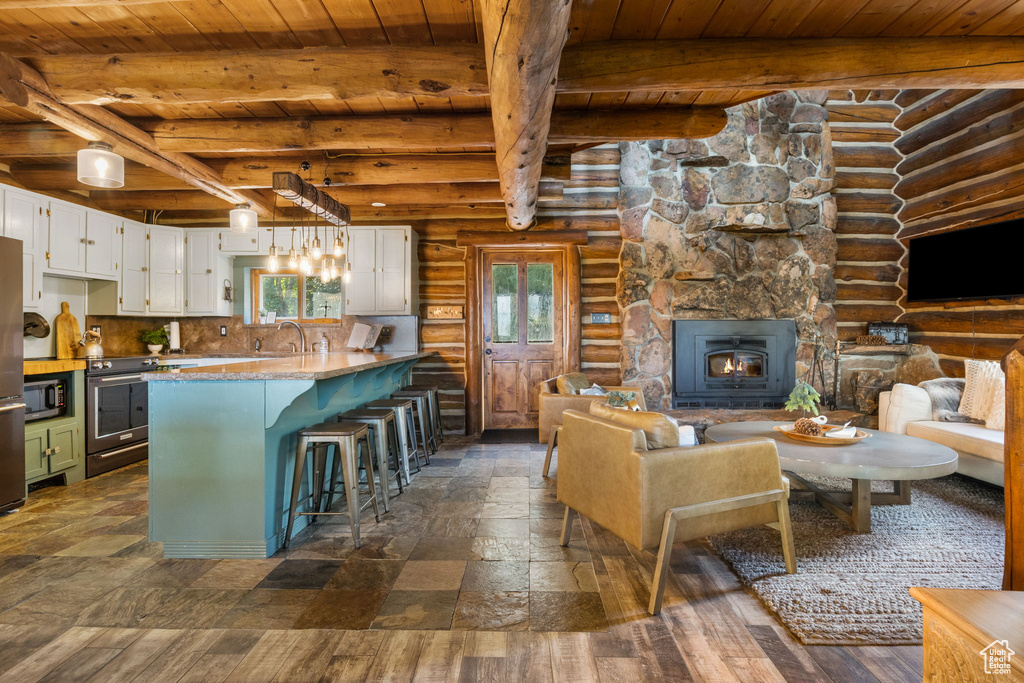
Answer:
(306, 366)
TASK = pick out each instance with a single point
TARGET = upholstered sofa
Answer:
(653, 498)
(907, 409)
(552, 404)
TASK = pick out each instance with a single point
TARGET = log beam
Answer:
(809, 63)
(405, 131)
(305, 196)
(24, 87)
(49, 4)
(523, 41)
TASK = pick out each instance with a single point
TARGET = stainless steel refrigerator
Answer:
(12, 377)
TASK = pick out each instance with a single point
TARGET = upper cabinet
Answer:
(239, 243)
(205, 271)
(23, 219)
(383, 271)
(102, 244)
(134, 291)
(166, 270)
(66, 250)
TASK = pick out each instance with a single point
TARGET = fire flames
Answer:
(731, 369)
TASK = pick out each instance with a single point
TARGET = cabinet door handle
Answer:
(144, 269)
(82, 240)
(56, 450)
(47, 452)
(208, 271)
(91, 242)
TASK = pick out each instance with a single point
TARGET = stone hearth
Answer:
(738, 226)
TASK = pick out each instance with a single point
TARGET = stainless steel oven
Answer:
(117, 413)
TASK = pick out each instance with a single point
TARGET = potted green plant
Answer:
(154, 339)
(804, 397)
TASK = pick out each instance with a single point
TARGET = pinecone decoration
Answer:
(807, 426)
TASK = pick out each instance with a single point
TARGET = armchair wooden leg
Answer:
(570, 515)
(552, 442)
(786, 529)
(661, 569)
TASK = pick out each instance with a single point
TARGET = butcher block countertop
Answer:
(308, 366)
(42, 367)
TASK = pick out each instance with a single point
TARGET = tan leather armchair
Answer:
(655, 498)
(553, 404)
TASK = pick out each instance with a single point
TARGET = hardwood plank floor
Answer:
(463, 581)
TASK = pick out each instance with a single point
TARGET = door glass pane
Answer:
(280, 294)
(323, 299)
(540, 302)
(504, 303)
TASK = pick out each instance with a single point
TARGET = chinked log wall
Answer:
(867, 268)
(589, 202)
(962, 168)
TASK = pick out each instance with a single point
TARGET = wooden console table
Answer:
(960, 625)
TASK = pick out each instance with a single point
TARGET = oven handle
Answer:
(119, 378)
(119, 451)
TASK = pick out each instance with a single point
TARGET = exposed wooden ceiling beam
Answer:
(247, 76)
(523, 40)
(408, 131)
(309, 198)
(23, 86)
(360, 215)
(48, 4)
(612, 66)
(354, 195)
(251, 173)
(809, 63)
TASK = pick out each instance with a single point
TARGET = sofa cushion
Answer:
(945, 393)
(661, 430)
(572, 383)
(906, 403)
(973, 439)
(981, 379)
(996, 418)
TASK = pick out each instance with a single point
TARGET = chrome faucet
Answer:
(302, 335)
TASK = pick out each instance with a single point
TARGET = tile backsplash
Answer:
(202, 335)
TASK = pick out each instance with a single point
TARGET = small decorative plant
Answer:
(803, 397)
(154, 339)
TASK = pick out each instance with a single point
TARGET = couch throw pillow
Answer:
(945, 395)
(572, 383)
(996, 418)
(594, 390)
(982, 377)
(660, 430)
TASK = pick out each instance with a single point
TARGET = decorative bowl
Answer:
(822, 440)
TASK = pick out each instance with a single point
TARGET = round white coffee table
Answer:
(884, 456)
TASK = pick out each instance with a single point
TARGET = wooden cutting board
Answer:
(67, 332)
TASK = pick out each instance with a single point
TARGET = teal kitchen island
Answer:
(222, 444)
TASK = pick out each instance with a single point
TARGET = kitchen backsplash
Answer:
(202, 335)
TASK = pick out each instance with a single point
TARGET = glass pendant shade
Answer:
(317, 249)
(293, 259)
(348, 273)
(334, 269)
(325, 270)
(339, 249)
(242, 218)
(273, 264)
(100, 167)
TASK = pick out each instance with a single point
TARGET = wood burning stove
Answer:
(733, 363)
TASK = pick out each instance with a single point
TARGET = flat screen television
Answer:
(971, 264)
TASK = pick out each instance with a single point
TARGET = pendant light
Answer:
(293, 257)
(242, 218)
(273, 264)
(99, 166)
(339, 246)
(348, 273)
(316, 249)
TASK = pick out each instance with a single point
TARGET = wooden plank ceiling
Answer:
(32, 30)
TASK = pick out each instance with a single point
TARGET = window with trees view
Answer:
(294, 296)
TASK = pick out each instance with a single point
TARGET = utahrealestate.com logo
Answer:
(997, 657)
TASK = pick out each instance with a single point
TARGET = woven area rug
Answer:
(851, 588)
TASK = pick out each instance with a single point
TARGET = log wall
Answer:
(867, 263)
(589, 203)
(961, 168)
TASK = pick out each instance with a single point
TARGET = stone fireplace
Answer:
(733, 363)
(735, 227)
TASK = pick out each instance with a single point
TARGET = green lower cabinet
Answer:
(65, 447)
(37, 453)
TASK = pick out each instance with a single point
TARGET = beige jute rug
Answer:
(852, 589)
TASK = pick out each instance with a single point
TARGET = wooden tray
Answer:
(821, 440)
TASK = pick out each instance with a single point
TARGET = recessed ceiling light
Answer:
(377, 204)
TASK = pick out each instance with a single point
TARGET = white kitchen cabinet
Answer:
(166, 266)
(67, 239)
(383, 271)
(102, 244)
(134, 269)
(239, 243)
(205, 272)
(23, 219)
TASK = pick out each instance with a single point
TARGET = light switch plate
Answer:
(599, 318)
(223, 330)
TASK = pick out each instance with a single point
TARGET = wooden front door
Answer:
(523, 324)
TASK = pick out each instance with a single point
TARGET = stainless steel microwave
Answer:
(45, 399)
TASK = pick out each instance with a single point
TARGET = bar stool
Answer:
(406, 434)
(347, 438)
(421, 404)
(384, 432)
(435, 407)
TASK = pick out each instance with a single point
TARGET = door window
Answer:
(505, 303)
(540, 303)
